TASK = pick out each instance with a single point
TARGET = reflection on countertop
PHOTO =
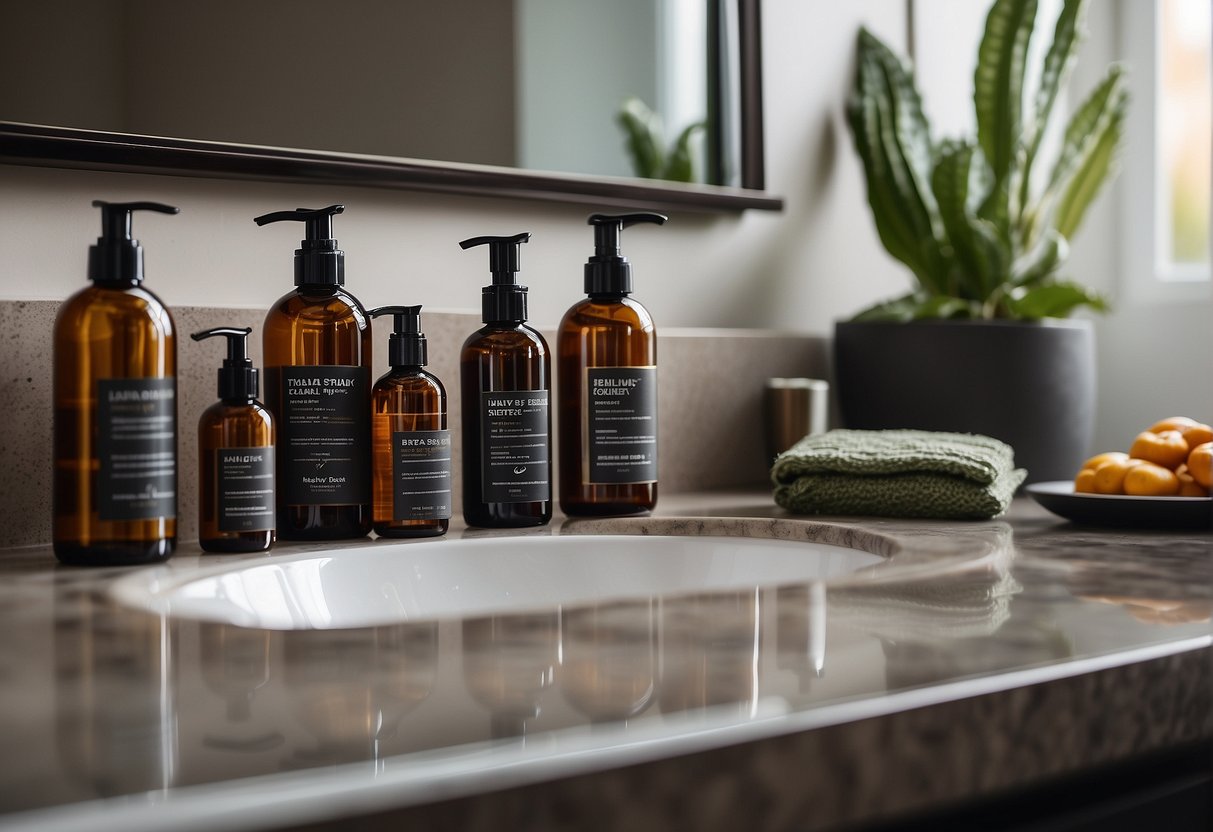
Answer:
(111, 701)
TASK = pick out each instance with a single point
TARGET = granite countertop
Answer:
(1040, 650)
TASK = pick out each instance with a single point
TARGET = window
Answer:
(1185, 136)
(1168, 164)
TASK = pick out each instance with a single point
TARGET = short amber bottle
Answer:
(317, 352)
(236, 510)
(505, 375)
(607, 375)
(410, 443)
(115, 389)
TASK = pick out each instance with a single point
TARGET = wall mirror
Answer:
(517, 97)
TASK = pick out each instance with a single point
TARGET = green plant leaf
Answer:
(918, 306)
(892, 137)
(1059, 60)
(998, 81)
(944, 306)
(1107, 102)
(1096, 161)
(1053, 300)
(644, 139)
(980, 262)
(1042, 261)
(679, 166)
(965, 218)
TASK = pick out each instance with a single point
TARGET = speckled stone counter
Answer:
(976, 658)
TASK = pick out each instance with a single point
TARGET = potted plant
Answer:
(979, 345)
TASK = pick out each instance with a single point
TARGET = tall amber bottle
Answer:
(410, 443)
(607, 366)
(505, 375)
(236, 509)
(115, 395)
(317, 352)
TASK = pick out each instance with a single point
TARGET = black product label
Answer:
(325, 437)
(137, 448)
(245, 477)
(621, 425)
(514, 446)
(421, 475)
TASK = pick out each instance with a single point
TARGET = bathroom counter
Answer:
(1041, 651)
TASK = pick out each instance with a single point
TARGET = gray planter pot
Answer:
(1031, 385)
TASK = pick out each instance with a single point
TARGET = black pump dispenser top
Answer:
(406, 345)
(318, 261)
(116, 258)
(237, 376)
(505, 300)
(608, 272)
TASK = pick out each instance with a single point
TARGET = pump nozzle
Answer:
(117, 257)
(318, 261)
(608, 272)
(505, 300)
(503, 254)
(407, 344)
(237, 376)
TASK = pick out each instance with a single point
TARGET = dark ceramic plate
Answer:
(1115, 510)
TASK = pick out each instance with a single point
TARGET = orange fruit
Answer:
(1188, 487)
(1150, 480)
(1173, 423)
(1200, 463)
(1110, 477)
(1099, 459)
(1167, 449)
(1084, 483)
(1197, 435)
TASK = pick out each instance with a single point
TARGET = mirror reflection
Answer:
(537, 84)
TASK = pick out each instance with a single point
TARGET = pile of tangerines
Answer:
(1174, 458)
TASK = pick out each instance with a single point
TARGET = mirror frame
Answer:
(67, 147)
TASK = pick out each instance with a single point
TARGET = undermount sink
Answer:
(389, 583)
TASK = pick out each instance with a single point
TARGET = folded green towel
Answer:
(897, 473)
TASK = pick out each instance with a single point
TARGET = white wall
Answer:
(797, 270)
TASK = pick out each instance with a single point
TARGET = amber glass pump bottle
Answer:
(607, 366)
(410, 443)
(317, 347)
(115, 393)
(505, 374)
(235, 456)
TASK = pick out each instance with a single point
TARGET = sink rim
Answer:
(149, 590)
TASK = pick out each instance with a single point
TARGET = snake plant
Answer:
(984, 223)
(645, 143)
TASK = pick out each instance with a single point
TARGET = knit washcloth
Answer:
(897, 473)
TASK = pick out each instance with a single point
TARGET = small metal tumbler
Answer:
(795, 408)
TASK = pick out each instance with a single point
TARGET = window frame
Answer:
(1145, 276)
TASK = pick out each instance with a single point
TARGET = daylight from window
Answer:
(1185, 134)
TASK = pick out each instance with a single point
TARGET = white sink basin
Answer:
(388, 583)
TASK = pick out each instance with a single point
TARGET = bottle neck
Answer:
(119, 283)
(327, 289)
